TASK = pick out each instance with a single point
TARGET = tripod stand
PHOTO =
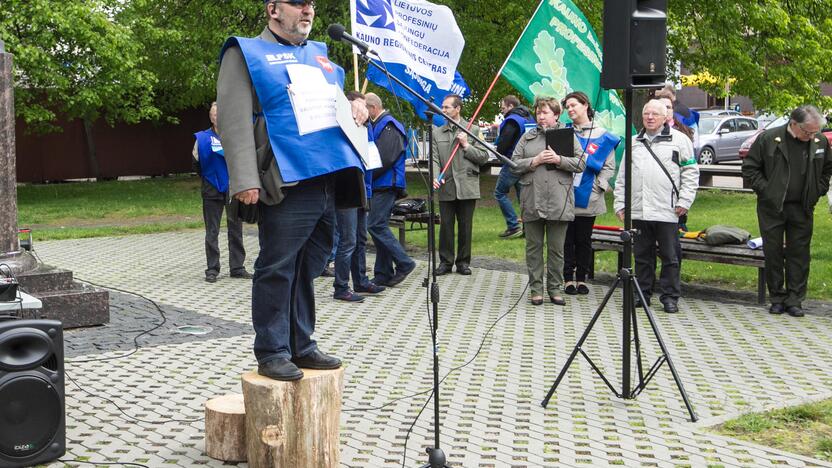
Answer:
(436, 457)
(630, 287)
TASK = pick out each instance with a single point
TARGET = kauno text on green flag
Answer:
(559, 53)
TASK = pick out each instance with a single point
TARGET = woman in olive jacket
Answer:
(546, 200)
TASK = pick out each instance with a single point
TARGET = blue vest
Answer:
(522, 122)
(597, 150)
(393, 177)
(299, 157)
(212, 160)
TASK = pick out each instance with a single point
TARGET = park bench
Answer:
(707, 174)
(605, 240)
(400, 222)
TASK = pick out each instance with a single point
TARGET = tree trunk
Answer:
(294, 423)
(225, 428)
(92, 158)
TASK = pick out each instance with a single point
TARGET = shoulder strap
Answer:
(664, 169)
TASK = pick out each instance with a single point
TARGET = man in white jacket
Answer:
(663, 189)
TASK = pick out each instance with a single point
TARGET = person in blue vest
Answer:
(515, 120)
(296, 178)
(392, 262)
(351, 228)
(209, 163)
(596, 146)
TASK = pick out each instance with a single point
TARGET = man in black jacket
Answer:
(515, 118)
(789, 169)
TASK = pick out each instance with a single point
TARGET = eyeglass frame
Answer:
(301, 4)
(803, 130)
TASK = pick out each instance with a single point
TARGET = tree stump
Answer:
(225, 428)
(294, 423)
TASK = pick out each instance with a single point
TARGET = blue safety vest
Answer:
(212, 160)
(393, 177)
(299, 157)
(597, 150)
(524, 125)
(368, 174)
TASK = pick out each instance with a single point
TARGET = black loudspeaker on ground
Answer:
(635, 43)
(32, 411)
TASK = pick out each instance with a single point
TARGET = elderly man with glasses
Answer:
(789, 169)
(297, 178)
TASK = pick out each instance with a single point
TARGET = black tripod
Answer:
(627, 279)
(436, 457)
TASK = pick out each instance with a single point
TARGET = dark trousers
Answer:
(212, 214)
(388, 249)
(794, 225)
(577, 249)
(351, 257)
(295, 242)
(451, 213)
(644, 251)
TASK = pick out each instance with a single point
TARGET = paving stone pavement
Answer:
(732, 357)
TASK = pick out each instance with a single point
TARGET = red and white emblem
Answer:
(324, 62)
(591, 148)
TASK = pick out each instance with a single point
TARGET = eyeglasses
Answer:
(298, 3)
(804, 131)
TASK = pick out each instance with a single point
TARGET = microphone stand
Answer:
(436, 457)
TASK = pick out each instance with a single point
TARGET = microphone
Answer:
(338, 33)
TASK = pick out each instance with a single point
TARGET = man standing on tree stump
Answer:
(296, 167)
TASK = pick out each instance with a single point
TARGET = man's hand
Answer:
(437, 183)
(462, 139)
(620, 214)
(248, 197)
(681, 211)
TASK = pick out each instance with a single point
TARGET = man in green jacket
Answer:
(789, 169)
(460, 187)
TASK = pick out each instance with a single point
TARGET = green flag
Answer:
(559, 53)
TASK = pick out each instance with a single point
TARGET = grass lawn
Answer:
(73, 210)
(804, 429)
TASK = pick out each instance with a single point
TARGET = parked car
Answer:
(719, 137)
(746, 145)
(716, 112)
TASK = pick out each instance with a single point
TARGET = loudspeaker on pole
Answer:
(32, 408)
(635, 44)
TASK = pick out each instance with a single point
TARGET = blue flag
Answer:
(427, 88)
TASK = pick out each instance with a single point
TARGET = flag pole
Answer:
(441, 175)
(355, 69)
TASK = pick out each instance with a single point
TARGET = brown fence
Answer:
(124, 150)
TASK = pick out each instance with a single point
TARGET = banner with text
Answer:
(413, 33)
(559, 53)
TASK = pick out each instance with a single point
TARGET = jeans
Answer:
(295, 242)
(358, 265)
(505, 181)
(577, 249)
(212, 214)
(388, 249)
(336, 239)
(345, 227)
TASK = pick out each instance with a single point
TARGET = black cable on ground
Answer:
(103, 463)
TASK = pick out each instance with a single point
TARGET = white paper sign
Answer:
(313, 99)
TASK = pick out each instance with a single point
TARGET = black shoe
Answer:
(348, 296)
(329, 271)
(795, 311)
(400, 275)
(442, 269)
(280, 369)
(370, 288)
(510, 233)
(463, 270)
(638, 303)
(777, 309)
(242, 274)
(557, 300)
(670, 306)
(583, 289)
(317, 360)
(571, 289)
(211, 278)
(537, 302)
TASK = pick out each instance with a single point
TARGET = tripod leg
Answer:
(636, 340)
(676, 377)
(577, 347)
